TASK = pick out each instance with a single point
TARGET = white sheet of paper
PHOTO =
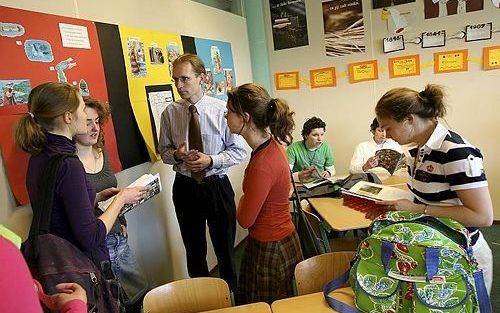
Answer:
(74, 36)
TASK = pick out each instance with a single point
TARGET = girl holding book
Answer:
(447, 172)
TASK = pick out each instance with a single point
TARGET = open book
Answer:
(390, 159)
(153, 187)
(363, 196)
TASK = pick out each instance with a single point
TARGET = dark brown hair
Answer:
(398, 103)
(103, 113)
(194, 60)
(312, 123)
(374, 125)
(46, 102)
(265, 111)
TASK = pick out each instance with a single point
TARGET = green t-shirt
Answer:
(300, 157)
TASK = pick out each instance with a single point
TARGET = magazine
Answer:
(390, 159)
(153, 187)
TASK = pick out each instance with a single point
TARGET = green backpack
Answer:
(412, 262)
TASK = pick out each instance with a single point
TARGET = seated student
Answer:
(273, 247)
(448, 177)
(364, 160)
(18, 288)
(311, 153)
(91, 152)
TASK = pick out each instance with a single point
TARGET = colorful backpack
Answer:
(412, 262)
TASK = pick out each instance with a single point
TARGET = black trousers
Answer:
(209, 202)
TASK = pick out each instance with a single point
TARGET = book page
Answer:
(389, 159)
(378, 192)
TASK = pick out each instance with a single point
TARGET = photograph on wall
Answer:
(289, 23)
(156, 54)
(208, 82)
(228, 74)
(172, 54)
(136, 56)
(440, 8)
(377, 4)
(14, 91)
(343, 27)
(216, 59)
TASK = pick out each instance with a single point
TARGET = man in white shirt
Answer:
(201, 192)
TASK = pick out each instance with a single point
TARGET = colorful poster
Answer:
(37, 52)
(289, 23)
(450, 61)
(408, 65)
(491, 58)
(343, 27)
(363, 71)
(440, 8)
(141, 76)
(323, 77)
(388, 3)
(286, 80)
(218, 59)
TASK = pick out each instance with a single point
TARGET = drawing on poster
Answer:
(84, 88)
(156, 54)
(14, 91)
(388, 3)
(61, 68)
(11, 30)
(289, 23)
(136, 56)
(228, 74)
(440, 8)
(208, 82)
(220, 87)
(397, 22)
(172, 54)
(216, 59)
(343, 27)
(38, 50)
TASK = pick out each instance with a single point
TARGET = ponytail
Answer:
(280, 120)
(29, 135)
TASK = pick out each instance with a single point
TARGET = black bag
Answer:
(352, 179)
(53, 260)
(310, 242)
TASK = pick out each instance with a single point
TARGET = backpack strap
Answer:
(334, 303)
(482, 294)
(42, 212)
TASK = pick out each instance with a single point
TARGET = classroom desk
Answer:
(259, 307)
(314, 302)
(343, 218)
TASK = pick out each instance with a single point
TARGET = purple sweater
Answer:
(73, 208)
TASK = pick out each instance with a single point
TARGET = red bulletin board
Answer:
(17, 66)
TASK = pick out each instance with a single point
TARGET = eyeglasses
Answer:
(182, 79)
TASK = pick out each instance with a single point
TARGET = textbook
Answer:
(153, 187)
(390, 159)
(363, 196)
(316, 180)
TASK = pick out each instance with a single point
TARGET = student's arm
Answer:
(329, 162)
(357, 160)
(256, 187)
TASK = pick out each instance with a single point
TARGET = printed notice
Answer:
(491, 58)
(287, 80)
(408, 65)
(74, 36)
(323, 77)
(450, 61)
(363, 71)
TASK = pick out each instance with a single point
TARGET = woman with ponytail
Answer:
(447, 174)
(56, 114)
(273, 248)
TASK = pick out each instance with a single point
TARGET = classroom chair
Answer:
(188, 296)
(311, 275)
(331, 244)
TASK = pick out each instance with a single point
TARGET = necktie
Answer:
(194, 137)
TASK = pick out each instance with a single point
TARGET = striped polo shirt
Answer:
(445, 164)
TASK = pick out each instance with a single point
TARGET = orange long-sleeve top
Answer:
(264, 206)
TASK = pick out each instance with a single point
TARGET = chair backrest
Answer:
(312, 274)
(188, 296)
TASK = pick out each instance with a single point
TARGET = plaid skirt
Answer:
(267, 270)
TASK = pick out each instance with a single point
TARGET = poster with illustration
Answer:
(440, 8)
(289, 23)
(156, 54)
(218, 59)
(172, 54)
(228, 74)
(344, 27)
(208, 82)
(14, 91)
(136, 57)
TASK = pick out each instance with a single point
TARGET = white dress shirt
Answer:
(366, 150)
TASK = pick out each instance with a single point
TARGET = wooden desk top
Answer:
(342, 218)
(259, 307)
(314, 302)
